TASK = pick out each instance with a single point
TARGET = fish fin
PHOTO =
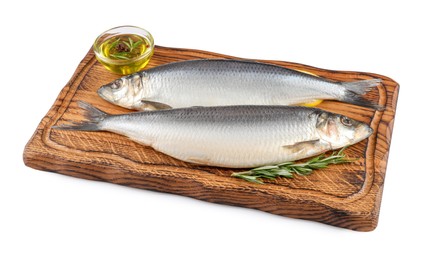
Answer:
(301, 146)
(153, 105)
(196, 160)
(311, 103)
(361, 87)
(355, 89)
(308, 72)
(93, 115)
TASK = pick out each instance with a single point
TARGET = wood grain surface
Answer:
(347, 195)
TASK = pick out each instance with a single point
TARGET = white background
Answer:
(50, 216)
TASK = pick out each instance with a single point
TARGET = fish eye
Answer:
(116, 84)
(345, 121)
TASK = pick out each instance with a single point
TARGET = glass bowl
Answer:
(124, 49)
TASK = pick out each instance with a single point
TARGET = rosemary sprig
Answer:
(123, 48)
(287, 169)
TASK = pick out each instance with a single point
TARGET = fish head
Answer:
(123, 92)
(340, 131)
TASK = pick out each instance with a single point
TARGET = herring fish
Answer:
(231, 136)
(218, 82)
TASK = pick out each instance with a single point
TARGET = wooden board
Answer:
(347, 195)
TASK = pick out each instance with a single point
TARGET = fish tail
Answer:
(93, 116)
(355, 89)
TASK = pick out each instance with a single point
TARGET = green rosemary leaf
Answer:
(127, 44)
(265, 174)
(120, 56)
(268, 167)
(245, 176)
(136, 44)
(284, 164)
(284, 173)
(114, 44)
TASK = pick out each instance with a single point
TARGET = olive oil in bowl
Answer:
(126, 51)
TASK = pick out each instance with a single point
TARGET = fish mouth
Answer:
(103, 93)
(368, 131)
(364, 132)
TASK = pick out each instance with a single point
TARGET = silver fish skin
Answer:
(226, 83)
(232, 136)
